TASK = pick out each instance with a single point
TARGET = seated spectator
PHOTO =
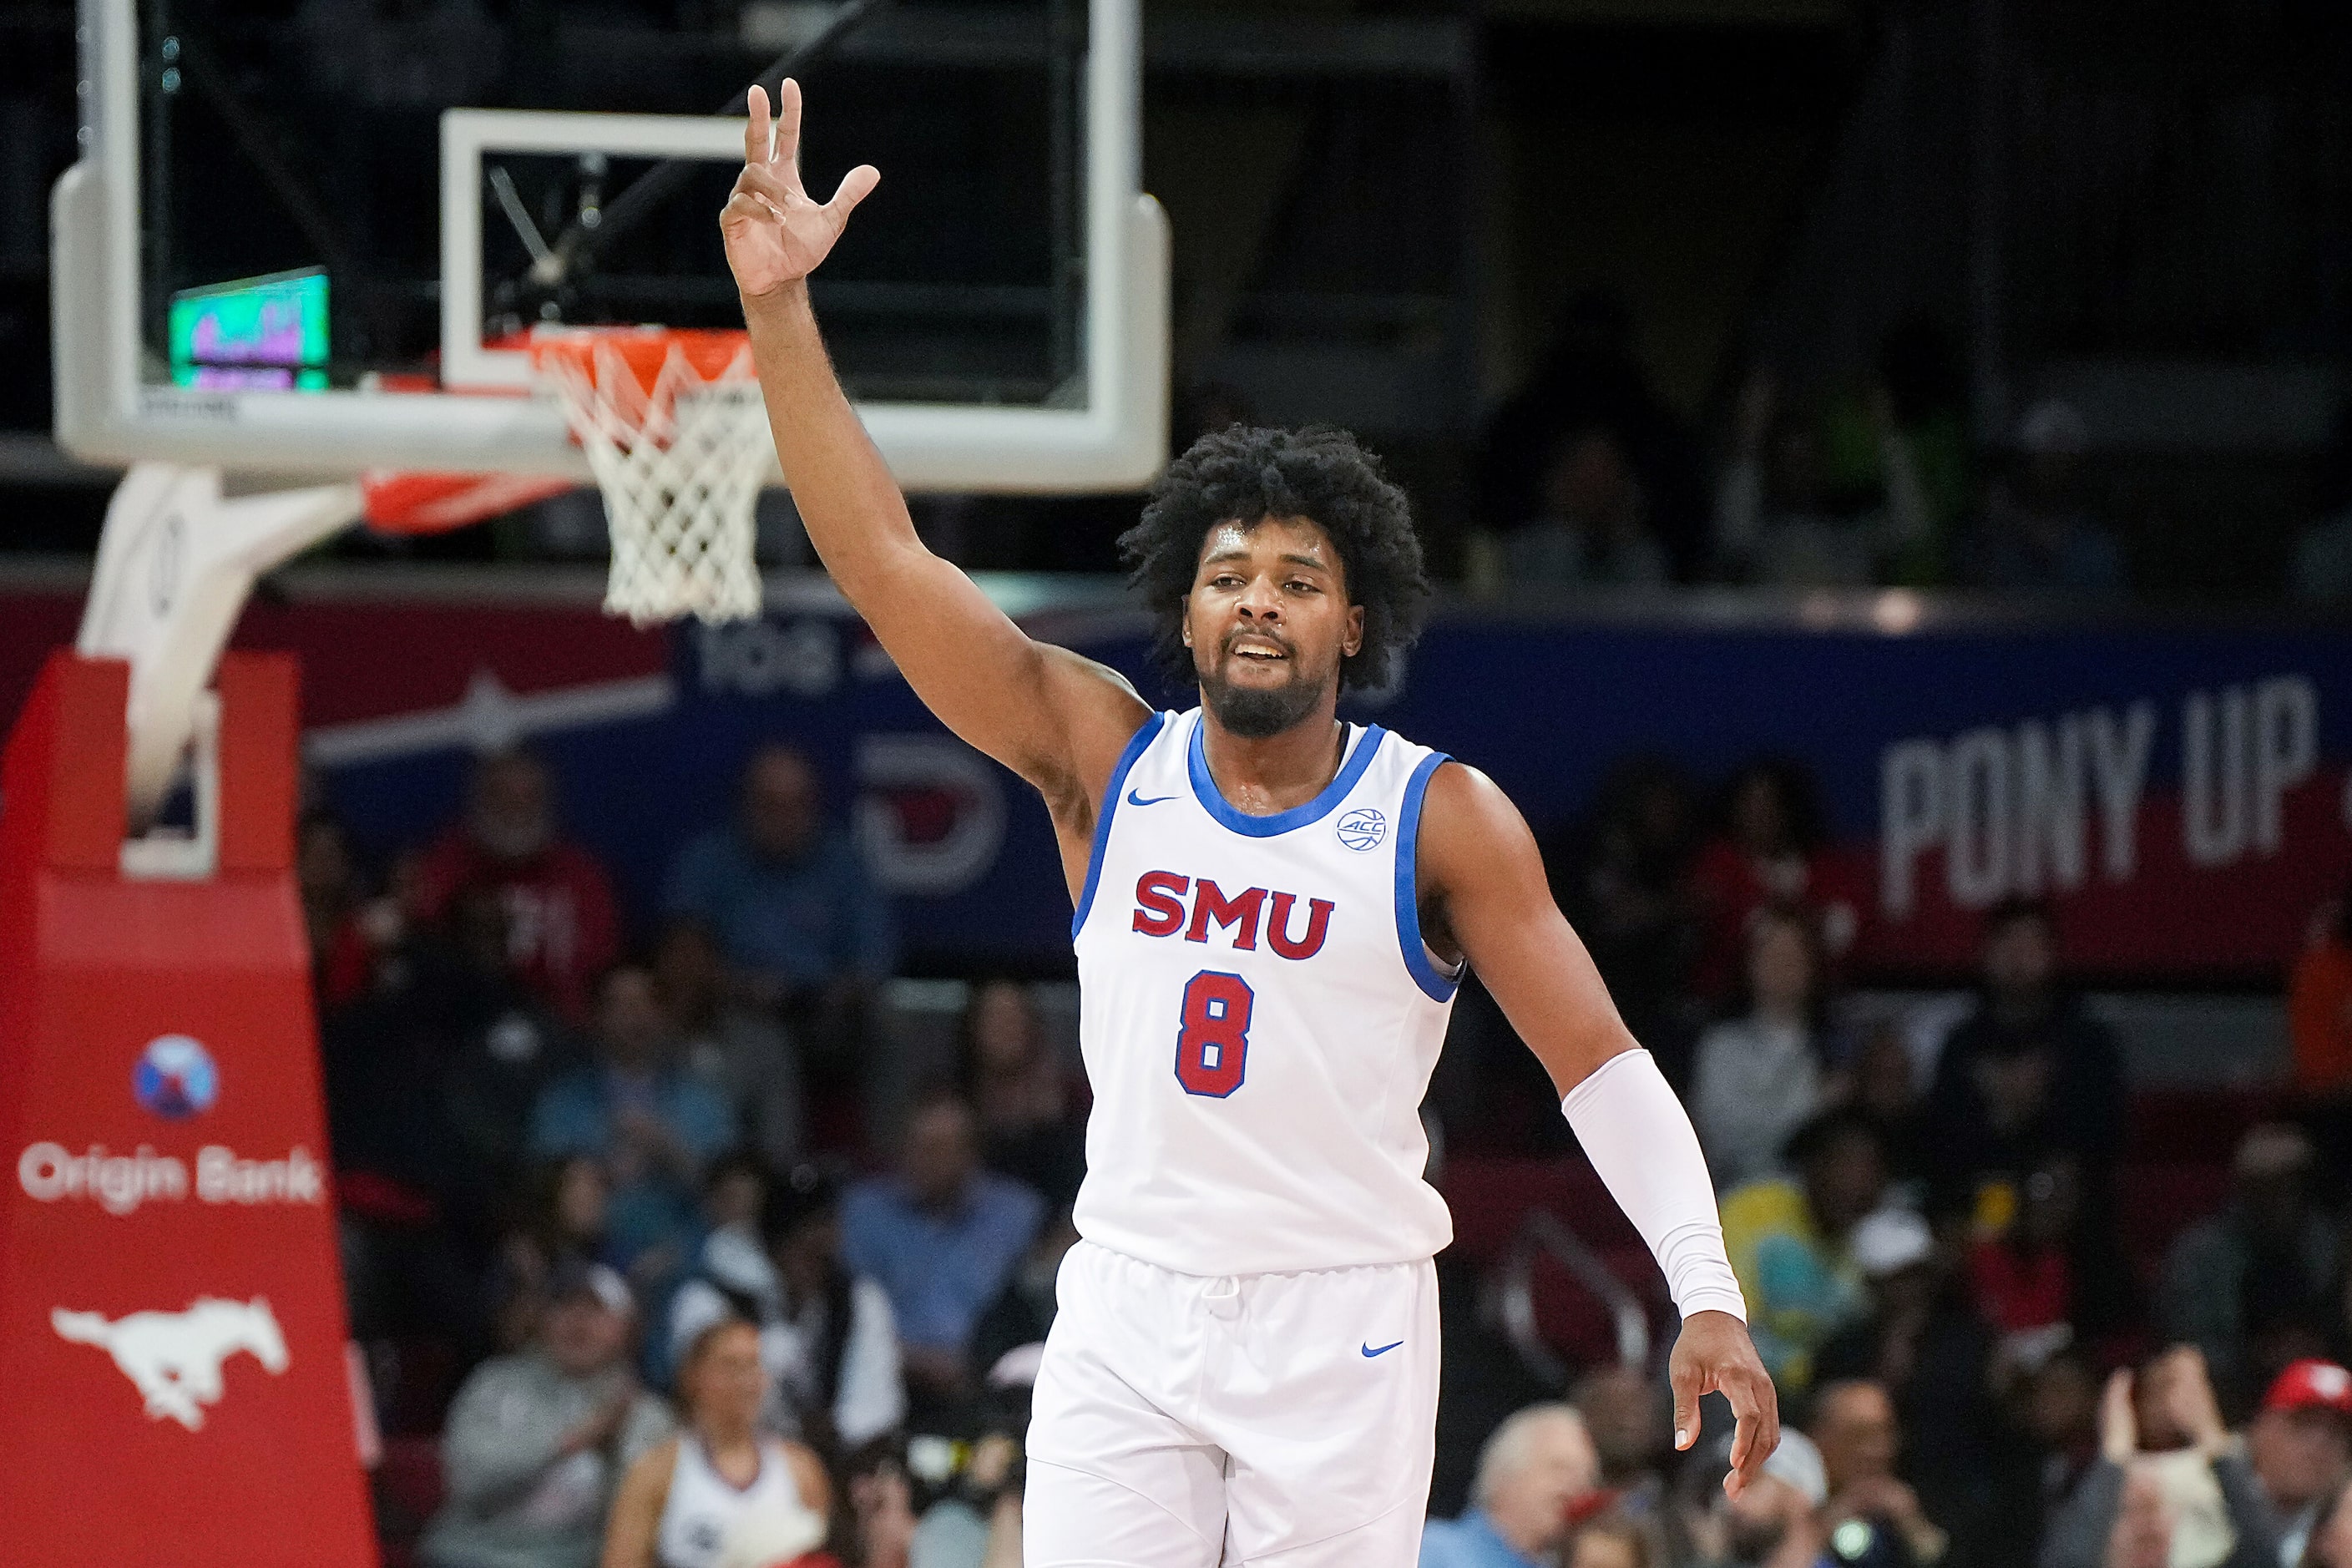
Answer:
(1880, 1082)
(2300, 1444)
(344, 948)
(1625, 1416)
(562, 928)
(562, 1221)
(1853, 1426)
(976, 1520)
(2170, 1487)
(1758, 1076)
(942, 1236)
(537, 1441)
(1537, 1465)
(1023, 1311)
(741, 1051)
(827, 1337)
(2025, 1074)
(1614, 1540)
(1769, 850)
(1623, 878)
(2036, 533)
(1590, 529)
(2249, 1287)
(1789, 1243)
(2330, 1545)
(2045, 1278)
(792, 903)
(1781, 526)
(1772, 1523)
(650, 1121)
(721, 1492)
(1029, 1127)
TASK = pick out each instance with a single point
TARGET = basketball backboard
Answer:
(301, 229)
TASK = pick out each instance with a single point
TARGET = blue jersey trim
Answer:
(1434, 983)
(1136, 745)
(1204, 790)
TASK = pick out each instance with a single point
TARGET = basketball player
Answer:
(1273, 910)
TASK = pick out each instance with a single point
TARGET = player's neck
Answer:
(1274, 773)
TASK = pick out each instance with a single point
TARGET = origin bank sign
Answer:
(123, 1183)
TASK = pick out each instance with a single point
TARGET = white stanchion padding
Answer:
(174, 564)
(680, 463)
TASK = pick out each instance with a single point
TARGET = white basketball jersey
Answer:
(1259, 1015)
(710, 1522)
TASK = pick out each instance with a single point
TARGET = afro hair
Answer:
(1243, 474)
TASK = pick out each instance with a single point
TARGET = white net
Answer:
(680, 467)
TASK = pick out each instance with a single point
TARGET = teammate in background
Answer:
(1273, 910)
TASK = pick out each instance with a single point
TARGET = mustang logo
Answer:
(173, 1359)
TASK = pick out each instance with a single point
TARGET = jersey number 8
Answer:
(1213, 1048)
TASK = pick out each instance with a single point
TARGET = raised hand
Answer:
(776, 232)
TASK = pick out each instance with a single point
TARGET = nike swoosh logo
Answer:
(1135, 799)
(1369, 1352)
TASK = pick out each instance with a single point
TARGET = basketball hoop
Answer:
(673, 430)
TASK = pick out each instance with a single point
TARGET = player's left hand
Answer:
(1714, 1355)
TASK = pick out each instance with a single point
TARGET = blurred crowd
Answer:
(637, 1202)
(1588, 479)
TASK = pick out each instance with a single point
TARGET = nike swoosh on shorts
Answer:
(1369, 1352)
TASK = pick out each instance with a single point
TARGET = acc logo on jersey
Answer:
(1362, 828)
(175, 1077)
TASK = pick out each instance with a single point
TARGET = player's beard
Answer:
(1254, 712)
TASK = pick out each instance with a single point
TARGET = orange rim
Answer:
(710, 351)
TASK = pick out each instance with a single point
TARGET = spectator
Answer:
(1780, 529)
(2250, 1286)
(536, 1441)
(790, 901)
(741, 1050)
(1590, 375)
(1770, 851)
(1023, 1311)
(342, 948)
(1625, 1415)
(1612, 1540)
(1624, 880)
(1030, 1129)
(2170, 1486)
(975, 1521)
(881, 1501)
(827, 1339)
(2300, 1444)
(1789, 1240)
(942, 1236)
(2024, 1075)
(1855, 1427)
(2045, 1278)
(2036, 535)
(1757, 1075)
(562, 930)
(2331, 1536)
(1881, 1084)
(720, 1492)
(1772, 1523)
(1591, 528)
(562, 1221)
(652, 1123)
(1535, 1469)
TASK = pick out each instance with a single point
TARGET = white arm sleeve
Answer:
(1637, 1136)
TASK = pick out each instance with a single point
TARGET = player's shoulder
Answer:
(1457, 791)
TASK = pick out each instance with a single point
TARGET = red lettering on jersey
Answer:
(1159, 892)
(1277, 929)
(1210, 903)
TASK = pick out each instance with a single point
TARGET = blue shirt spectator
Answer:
(790, 900)
(942, 1236)
(1533, 1471)
(649, 1123)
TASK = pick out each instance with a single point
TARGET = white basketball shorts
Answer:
(1260, 1421)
